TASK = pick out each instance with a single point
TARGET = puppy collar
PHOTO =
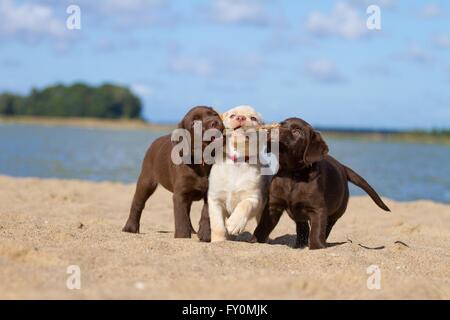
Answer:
(235, 158)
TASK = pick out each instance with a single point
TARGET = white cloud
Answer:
(29, 22)
(417, 54)
(127, 9)
(239, 67)
(381, 3)
(344, 21)
(323, 70)
(432, 11)
(239, 12)
(131, 13)
(143, 90)
(129, 5)
(190, 65)
(441, 41)
(220, 65)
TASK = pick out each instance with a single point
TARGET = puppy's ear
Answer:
(223, 115)
(181, 139)
(260, 119)
(316, 148)
(185, 136)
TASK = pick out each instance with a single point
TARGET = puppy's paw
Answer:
(204, 233)
(236, 224)
(218, 237)
(131, 227)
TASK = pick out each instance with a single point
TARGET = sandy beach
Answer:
(89, 123)
(48, 225)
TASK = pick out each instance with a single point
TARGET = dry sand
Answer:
(117, 124)
(47, 225)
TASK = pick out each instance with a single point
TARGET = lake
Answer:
(401, 171)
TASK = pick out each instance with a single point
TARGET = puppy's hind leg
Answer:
(330, 224)
(334, 218)
(182, 208)
(317, 235)
(144, 189)
(302, 234)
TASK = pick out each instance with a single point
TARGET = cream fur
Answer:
(236, 189)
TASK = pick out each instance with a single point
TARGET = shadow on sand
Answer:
(286, 240)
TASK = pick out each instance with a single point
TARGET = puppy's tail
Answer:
(356, 179)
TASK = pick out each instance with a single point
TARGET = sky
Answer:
(311, 59)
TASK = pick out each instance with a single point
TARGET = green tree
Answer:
(77, 100)
(11, 104)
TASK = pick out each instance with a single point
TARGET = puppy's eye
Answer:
(253, 119)
(298, 133)
(232, 116)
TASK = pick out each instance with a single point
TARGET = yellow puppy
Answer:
(237, 190)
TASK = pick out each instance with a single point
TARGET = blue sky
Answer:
(312, 59)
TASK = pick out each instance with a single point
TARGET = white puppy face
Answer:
(240, 121)
(241, 117)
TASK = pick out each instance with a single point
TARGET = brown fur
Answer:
(310, 185)
(187, 182)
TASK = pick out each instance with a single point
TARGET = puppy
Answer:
(310, 185)
(187, 182)
(237, 190)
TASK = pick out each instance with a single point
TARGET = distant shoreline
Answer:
(117, 124)
(136, 124)
(403, 137)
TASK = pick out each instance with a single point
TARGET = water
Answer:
(69, 152)
(401, 171)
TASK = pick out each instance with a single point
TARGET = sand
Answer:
(48, 225)
(91, 123)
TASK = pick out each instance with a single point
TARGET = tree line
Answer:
(77, 100)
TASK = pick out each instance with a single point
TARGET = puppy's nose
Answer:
(241, 118)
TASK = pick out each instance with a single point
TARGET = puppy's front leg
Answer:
(204, 228)
(217, 220)
(241, 214)
(269, 219)
(144, 189)
(182, 208)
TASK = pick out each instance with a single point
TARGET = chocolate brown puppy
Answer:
(187, 182)
(310, 185)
